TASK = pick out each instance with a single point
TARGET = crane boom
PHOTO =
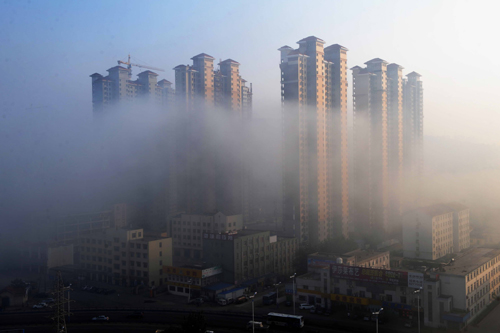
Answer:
(129, 65)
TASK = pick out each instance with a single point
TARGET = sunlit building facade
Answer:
(315, 177)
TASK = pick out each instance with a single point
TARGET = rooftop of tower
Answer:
(285, 47)
(337, 46)
(229, 61)
(414, 74)
(395, 65)
(118, 68)
(375, 61)
(310, 38)
(203, 55)
(147, 72)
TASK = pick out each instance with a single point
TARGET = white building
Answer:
(458, 292)
(435, 231)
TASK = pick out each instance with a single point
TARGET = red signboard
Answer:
(369, 275)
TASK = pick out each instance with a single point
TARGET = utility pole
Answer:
(60, 312)
(293, 290)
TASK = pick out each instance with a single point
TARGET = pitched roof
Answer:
(148, 73)
(375, 61)
(203, 55)
(310, 38)
(285, 48)
(414, 74)
(118, 68)
(180, 66)
(229, 61)
(395, 65)
(165, 81)
(337, 46)
(96, 75)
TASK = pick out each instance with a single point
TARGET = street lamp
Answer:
(189, 284)
(377, 313)
(253, 313)
(418, 303)
(293, 290)
(277, 292)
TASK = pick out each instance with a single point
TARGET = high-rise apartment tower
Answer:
(314, 101)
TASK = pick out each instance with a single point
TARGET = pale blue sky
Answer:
(49, 49)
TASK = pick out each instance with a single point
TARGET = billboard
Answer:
(211, 271)
(415, 280)
(397, 278)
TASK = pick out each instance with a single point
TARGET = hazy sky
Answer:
(49, 49)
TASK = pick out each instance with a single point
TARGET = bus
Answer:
(285, 320)
(269, 298)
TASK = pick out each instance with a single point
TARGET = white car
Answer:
(101, 318)
(38, 306)
(305, 306)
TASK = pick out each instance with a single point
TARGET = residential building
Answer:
(315, 179)
(371, 172)
(248, 255)
(458, 292)
(204, 178)
(413, 126)
(187, 230)
(124, 256)
(385, 108)
(395, 142)
(434, 231)
(117, 89)
(190, 280)
(71, 227)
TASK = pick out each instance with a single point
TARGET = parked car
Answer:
(102, 291)
(257, 325)
(408, 324)
(327, 313)
(136, 315)
(205, 298)
(288, 303)
(241, 299)
(198, 301)
(38, 306)
(101, 318)
(320, 310)
(109, 292)
(305, 306)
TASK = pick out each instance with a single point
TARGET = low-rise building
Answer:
(358, 279)
(187, 279)
(187, 230)
(458, 292)
(248, 254)
(125, 256)
(435, 231)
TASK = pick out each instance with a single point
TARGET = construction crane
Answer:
(129, 65)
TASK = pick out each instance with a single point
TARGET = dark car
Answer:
(288, 303)
(327, 313)
(136, 315)
(109, 292)
(102, 291)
